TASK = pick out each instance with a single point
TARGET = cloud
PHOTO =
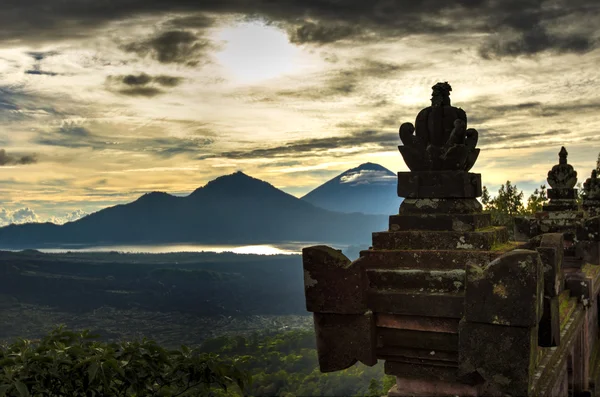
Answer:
(344, 81)
(173, 46)
(359, 141)
(21, 215)
(513, 27)
(72, 135)
(7, 159)
(141, 84)
(69, 217)
(368, 177)
(319, 33)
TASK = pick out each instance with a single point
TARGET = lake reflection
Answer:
(294, 248)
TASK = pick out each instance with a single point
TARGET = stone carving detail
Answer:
(440, 139)
(591, 187)
(562, 175)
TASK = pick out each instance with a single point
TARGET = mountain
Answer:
(368, 188)
(231, 209)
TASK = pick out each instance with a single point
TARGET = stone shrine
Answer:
(442, 296)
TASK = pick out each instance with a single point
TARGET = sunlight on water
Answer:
(263, 249)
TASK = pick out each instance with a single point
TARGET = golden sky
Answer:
(101, 102)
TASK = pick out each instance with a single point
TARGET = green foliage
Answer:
(537, 200)
(505, 205)
(286, 365)
(508, 203)
(66, 363)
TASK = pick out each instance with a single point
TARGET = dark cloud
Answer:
(73, 136)
(8, 159)
(517, 27)
(345, 81)
(173, 46)
(322, 33)
(141, 84)
(308, 147)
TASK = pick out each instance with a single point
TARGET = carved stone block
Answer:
(503, 356)
(439, 184)
(344, 339)
(507, 291)
(441, 222)
(332, 284)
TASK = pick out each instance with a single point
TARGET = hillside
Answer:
(368, 188)
(232, 209)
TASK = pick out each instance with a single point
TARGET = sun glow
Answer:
(253, 52)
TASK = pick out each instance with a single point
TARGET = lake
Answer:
(291, 248)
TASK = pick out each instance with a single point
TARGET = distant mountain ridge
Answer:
(232, 209)
(369, 188)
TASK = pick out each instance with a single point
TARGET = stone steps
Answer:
(417, 303)
(416, 279)
(484, 240)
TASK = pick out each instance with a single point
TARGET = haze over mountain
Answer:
(231, 209)
(368, 188)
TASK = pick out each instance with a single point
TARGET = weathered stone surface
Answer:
(417, 323)
(416, 279)
(344, 339)
(581, 287)
(507, 291)
(440, 206)
(562, 194)
(551, 252)
(589, 230)
(486, 239)
(549, 327)
(560, 206)
(332, 284)
(439, 184)
(441, 222)
(504, 356)
(588, 251)
(423, 259)
(417, 370)
(432, 341)
(394, 353)
(416, 303)
(428, 259)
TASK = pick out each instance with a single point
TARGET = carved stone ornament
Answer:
(441, 140)
(591, 187)
(562, 175)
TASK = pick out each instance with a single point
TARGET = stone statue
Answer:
(591, 187)
(441, 140)
(562, 175)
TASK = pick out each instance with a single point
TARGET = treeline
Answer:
(66, 363)
(285, 364)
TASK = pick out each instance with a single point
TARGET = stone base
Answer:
(439, 184)
(440, 206)
(441, 222)
(485, 240)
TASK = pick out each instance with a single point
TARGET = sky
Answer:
(103, 101)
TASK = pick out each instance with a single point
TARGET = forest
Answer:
(75, 363)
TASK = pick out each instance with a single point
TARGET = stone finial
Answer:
(591, 187)
(562, 175)
(439, 140)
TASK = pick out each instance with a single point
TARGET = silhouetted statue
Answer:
(441, 140)
(562, 175)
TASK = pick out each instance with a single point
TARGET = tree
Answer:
(65, 363)
(503, 207)
(536, 201)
